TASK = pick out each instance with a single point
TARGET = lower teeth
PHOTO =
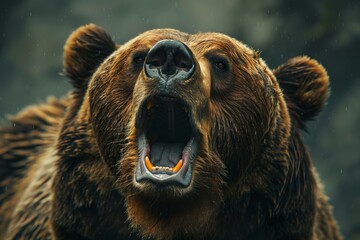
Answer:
(162, 168)
(153, 168)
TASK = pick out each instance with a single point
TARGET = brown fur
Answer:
(67, 167)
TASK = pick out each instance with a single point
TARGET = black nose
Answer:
(169, 59)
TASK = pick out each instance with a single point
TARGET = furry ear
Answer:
(305, 85)
(85, 49)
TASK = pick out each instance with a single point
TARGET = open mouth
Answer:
(167, 141)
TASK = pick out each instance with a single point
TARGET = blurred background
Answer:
(32, 35)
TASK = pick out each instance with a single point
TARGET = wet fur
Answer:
(67, 166)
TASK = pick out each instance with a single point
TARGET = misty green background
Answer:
(33, 32)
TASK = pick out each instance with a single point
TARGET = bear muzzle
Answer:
(169, 115)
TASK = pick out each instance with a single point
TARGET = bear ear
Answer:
(305, 85)
(85, 49)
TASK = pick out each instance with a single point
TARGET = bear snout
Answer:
(169, 61)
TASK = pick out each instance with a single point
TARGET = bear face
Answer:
(179, 136)
(174, 115)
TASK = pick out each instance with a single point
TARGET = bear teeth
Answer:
(178, 166)
(153, 168)
(148, 164)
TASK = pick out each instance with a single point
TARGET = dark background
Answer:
(32, 34)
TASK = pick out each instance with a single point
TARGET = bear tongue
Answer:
(166, 154)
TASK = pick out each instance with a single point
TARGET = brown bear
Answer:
(168, 136)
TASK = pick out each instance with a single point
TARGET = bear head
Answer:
(184, 123)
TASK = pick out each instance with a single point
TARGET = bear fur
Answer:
(71, 168)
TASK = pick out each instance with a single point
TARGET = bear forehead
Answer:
(200, 42)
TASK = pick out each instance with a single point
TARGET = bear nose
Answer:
(169, 59)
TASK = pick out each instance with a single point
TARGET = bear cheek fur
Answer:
(110, 93)
(271, 153)
(251, 132)
(243, 118)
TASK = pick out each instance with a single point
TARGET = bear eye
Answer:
(221, 74)
(220, 64)
(139, 58)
